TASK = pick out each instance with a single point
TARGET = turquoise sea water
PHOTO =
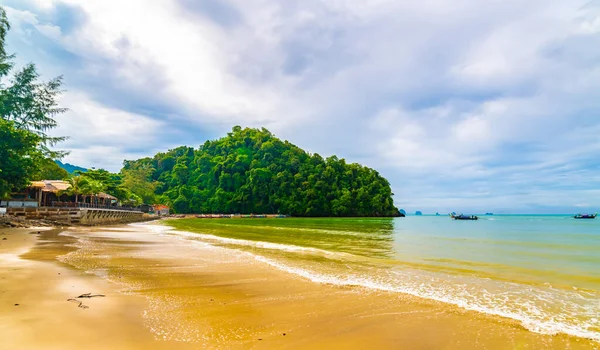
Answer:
(541, 270)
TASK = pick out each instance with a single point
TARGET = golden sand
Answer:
(164, 292)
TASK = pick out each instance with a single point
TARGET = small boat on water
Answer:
(585, 216)
(454, 216)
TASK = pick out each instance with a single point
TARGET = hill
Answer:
(70, 168)
(252, 171)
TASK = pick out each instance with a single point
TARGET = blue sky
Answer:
(464, 105)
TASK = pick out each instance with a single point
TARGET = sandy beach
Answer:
(163, 291)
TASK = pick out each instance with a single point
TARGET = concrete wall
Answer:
(18, 203)
(81, 216)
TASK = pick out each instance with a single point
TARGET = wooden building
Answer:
(53, 193)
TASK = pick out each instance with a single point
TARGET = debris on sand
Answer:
(79, 303)
(90, 295)
(86, 295)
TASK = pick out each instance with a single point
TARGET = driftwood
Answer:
(79, 303)
(86, 295)
(90, 295)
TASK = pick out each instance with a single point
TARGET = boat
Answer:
(585, 216)
(454, 216)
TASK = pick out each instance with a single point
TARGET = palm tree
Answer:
(77, 186)
(95, 187)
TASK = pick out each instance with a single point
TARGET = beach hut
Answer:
(47, 193)
(161, 210)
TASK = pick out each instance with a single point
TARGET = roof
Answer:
(51, 185)
(161, 207)
(106, 195)
(38, 184)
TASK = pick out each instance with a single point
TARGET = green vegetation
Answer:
(252, 171)
(18, 154)
(27, 111)
(92, 182)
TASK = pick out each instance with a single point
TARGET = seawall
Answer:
(78, 216)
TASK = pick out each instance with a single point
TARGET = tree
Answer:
(5, 64)
(18, 154)
(94, 187)
(49, 170)
(137, 178)
(32, 105)
(78, 185)
(252, 171)
(27, 111)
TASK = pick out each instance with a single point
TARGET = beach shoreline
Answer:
(163, 291)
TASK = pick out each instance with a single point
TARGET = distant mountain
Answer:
(70, 168)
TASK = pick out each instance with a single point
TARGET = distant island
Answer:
(418, 213)
(70, 168)
(252, 171)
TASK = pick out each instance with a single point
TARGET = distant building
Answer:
(47, 193)
(161, 210)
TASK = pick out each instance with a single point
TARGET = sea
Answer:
(541, 270)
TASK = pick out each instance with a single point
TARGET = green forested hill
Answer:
(252, 171)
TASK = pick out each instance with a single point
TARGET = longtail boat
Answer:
(463, 217)
(585, 216)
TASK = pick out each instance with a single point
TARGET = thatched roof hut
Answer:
(46, 191)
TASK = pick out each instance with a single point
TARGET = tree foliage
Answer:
(32, 105)
(27, 111)
(18, 157)
(77, 186)
(47, 169)
(252, 171)
(136, 178)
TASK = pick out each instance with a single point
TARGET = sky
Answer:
(463, 105)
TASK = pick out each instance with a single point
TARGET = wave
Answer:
(461, 298)
(510, 300)
(257, 244)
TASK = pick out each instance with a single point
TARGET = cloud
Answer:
(463, 105)
(100, 134)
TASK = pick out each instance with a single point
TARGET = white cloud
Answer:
(99, 135)
(429, 92)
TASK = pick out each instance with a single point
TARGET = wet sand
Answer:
(163, 291)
